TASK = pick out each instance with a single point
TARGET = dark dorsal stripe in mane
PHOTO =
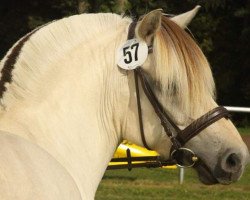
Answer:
(11, 60)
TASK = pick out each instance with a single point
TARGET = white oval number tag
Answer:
(132, 54)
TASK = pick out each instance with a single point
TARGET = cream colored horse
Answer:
(66, 105)
(29, 172)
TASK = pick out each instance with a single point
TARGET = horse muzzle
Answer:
(227, 170)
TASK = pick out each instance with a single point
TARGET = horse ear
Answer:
(149, 24)
(184, 19)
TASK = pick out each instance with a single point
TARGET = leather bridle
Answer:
(177, 136)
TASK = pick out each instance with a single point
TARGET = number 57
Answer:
(127, 53)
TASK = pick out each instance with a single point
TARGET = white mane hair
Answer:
(57, 42)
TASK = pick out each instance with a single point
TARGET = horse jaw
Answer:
(204, 173)
(184, 19)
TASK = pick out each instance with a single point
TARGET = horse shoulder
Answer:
(27, 172)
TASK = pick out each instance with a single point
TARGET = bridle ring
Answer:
(184, 157)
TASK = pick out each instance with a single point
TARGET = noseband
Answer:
(177, 136)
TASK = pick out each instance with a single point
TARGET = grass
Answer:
(160, 184)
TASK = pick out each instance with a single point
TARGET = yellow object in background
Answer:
(135, 151)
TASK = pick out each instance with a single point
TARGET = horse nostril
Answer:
(230, 166)
(233, 162)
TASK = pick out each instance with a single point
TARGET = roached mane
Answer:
(36, 61)
(182, 69)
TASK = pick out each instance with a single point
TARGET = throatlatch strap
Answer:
(140, 111)
(131, 34)
(160, 111)
(171, 129)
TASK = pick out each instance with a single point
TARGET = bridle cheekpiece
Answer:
(181, 155)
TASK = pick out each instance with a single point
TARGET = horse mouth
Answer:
(218, 175)
(205, 174)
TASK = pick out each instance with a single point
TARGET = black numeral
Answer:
(136, 45)
(127, 53)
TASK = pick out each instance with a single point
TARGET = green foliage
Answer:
(244, 131)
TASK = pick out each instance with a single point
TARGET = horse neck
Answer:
(78, 130)
(78, 121)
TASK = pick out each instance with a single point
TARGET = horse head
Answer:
(181, 80)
